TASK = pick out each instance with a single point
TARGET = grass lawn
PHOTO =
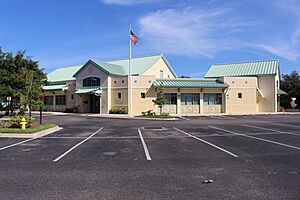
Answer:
(157, 116)
(28, 130)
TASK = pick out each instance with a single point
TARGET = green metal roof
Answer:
(63, 74)
(255, 68)
(140, 65)
(55, 87)
(104, 66)
(89, 90)
(188, 83)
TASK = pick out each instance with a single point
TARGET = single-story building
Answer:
(97, 87)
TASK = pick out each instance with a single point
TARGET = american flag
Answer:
(133, 38)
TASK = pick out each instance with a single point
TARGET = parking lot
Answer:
(246, 157)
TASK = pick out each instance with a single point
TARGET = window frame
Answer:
(60, 100)
(188, 99)
(91, 81)
(46, 98)
(212, 98)
(171, 98)
(240, 95)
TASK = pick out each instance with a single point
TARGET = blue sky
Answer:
(193, 34)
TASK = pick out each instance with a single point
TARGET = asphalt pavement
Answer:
(213, 157)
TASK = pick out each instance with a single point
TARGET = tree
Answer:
(21, 78)
(160, 101)
(291, 85)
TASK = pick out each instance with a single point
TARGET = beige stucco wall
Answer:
(119, 85)
(142, 84)
(245, 85)
(267, 85)
(155, 70)
(83, 100)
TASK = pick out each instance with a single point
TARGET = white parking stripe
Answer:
(268, 129)
(287, 125)
(71, 149)
(206, 142)
(144, 145)
(256, 138)
(181, 117)
(15, 144)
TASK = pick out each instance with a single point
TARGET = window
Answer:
(48, 100)
(143, 95)
(190, 99)
(60, 100)
(123, 81)
(240, 95)
(161, 73)
(135, 81)
(277, 84)
(168, 76)
(171, 98)
(72, 96)
(119, 95)
(212, 99)
(91, 81)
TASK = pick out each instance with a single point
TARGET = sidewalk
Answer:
(125, 116)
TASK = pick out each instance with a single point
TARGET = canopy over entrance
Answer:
(94, 90)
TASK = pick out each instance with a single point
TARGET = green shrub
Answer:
(5, 124)
(165, 114)
(118, 111)
(17, 119)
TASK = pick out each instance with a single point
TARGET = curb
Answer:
(31, 135)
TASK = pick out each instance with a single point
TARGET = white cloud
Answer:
(281, 50)
(191, 32)
(127, 2)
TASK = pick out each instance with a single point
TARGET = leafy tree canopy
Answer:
(290, 83)
(21, 78)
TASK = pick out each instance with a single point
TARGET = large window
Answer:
(171, 98)
(91, 81)
(212, 99)
(48, 100)
(190, 99)
(60, 100)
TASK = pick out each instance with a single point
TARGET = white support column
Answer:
(178, 107)
(54, 102)
(201, 102)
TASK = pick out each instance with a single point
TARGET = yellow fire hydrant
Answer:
(23, 123)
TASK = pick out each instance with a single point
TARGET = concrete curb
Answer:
(31, 135)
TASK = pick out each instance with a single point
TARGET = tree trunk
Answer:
(160, 110)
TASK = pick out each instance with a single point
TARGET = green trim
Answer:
(189, 83)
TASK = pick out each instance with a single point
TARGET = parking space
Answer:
(245, 151)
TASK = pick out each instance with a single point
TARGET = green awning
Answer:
(188, 83)
(281, 92)
(89, 91)
(55, 87)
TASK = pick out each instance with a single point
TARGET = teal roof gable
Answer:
(255, 68)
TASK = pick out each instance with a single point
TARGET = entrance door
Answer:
(94, 104)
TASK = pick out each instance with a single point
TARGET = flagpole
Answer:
(129, 77)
